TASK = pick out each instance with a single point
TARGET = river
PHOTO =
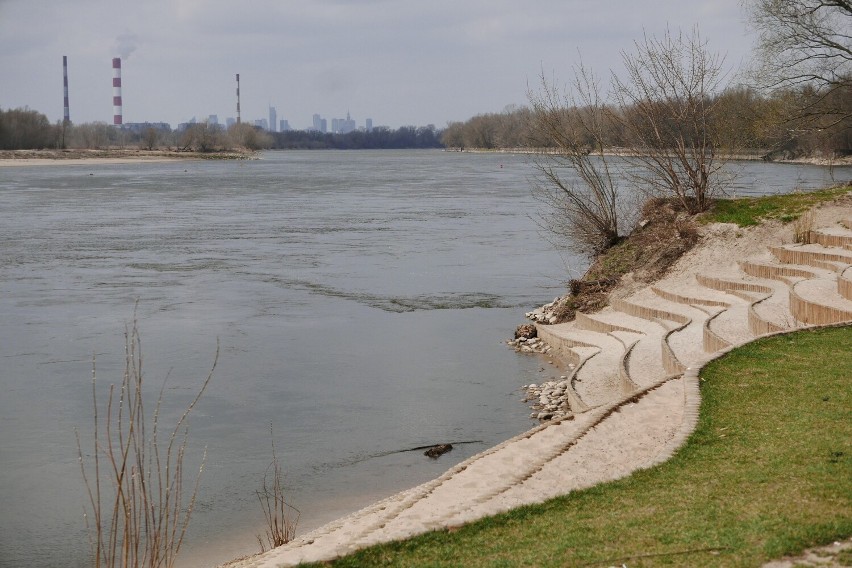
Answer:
(360, 301)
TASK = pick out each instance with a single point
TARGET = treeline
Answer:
(783, 125)
(27, 129)
(381, 138)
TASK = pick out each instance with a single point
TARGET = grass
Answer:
(749, 211)
(765, 474)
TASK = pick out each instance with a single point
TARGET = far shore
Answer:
(10, 158)
(757, 156)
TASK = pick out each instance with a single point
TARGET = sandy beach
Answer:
(27, 158)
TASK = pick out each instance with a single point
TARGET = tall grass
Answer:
(139, 509)
(279, 515)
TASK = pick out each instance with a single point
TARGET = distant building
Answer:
(140, 127)
(273, 119)
(213, 119)
(261, 123)
(369, 124)
(230, 121)
(285, 126)
(342, 125)
(319, 124)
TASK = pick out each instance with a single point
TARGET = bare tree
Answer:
(149, 138)
(575, 180)
(201, 137)
(807, 45)
(666, 106)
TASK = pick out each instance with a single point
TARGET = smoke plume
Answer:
(125, 44)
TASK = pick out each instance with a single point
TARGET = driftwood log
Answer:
(436, 451)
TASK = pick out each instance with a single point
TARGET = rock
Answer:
(436, 451)
(526, 331)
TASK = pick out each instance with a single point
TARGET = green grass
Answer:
(765, 474)
(750, 211)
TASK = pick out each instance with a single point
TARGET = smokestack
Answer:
(116, 91)
(66, 110)
(238, 98)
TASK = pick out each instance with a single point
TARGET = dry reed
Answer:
(140, 512)
(280, 522)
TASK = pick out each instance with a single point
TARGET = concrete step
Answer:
(831, 236)
(817, 302)
(727, 327)
(835, 259)
(844, 283)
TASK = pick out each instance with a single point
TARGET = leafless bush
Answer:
(280, 522)
(134, 477)
(588, 212)
(666, 106)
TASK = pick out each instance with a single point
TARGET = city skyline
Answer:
(408, 63)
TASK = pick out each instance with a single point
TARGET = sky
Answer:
(399, 62)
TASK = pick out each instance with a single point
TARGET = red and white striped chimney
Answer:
(116, 91)
(66, 115)
(238, 98)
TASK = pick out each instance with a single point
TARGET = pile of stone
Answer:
(529, 345)
(549, 399)
(544, 314)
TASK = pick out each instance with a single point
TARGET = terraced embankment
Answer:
(632, 397)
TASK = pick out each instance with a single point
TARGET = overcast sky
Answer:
(399, 62)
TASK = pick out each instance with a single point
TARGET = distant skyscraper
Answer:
(262, 123)
(369, 125)
(317, 122)
(323, 126)
(230, 121)
(213, 120)
(285, 126)
(273, 118)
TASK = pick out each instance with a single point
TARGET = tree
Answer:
(453, 135)
(575, 180)
(804, 42)
(27, 129)
(201, 137)
(249, 137)
(149, 138)
(666, 107)
(806, 46)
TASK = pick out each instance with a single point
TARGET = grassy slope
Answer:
(766, 473)
(749, 211)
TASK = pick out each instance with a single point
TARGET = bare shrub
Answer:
(139, 510)
(280, 522)
(574, 179)
(666, 106)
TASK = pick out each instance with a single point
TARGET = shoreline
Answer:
(615, 152)
(73, 157)
(637, 423)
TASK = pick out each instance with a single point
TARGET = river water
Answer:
(360, 301)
